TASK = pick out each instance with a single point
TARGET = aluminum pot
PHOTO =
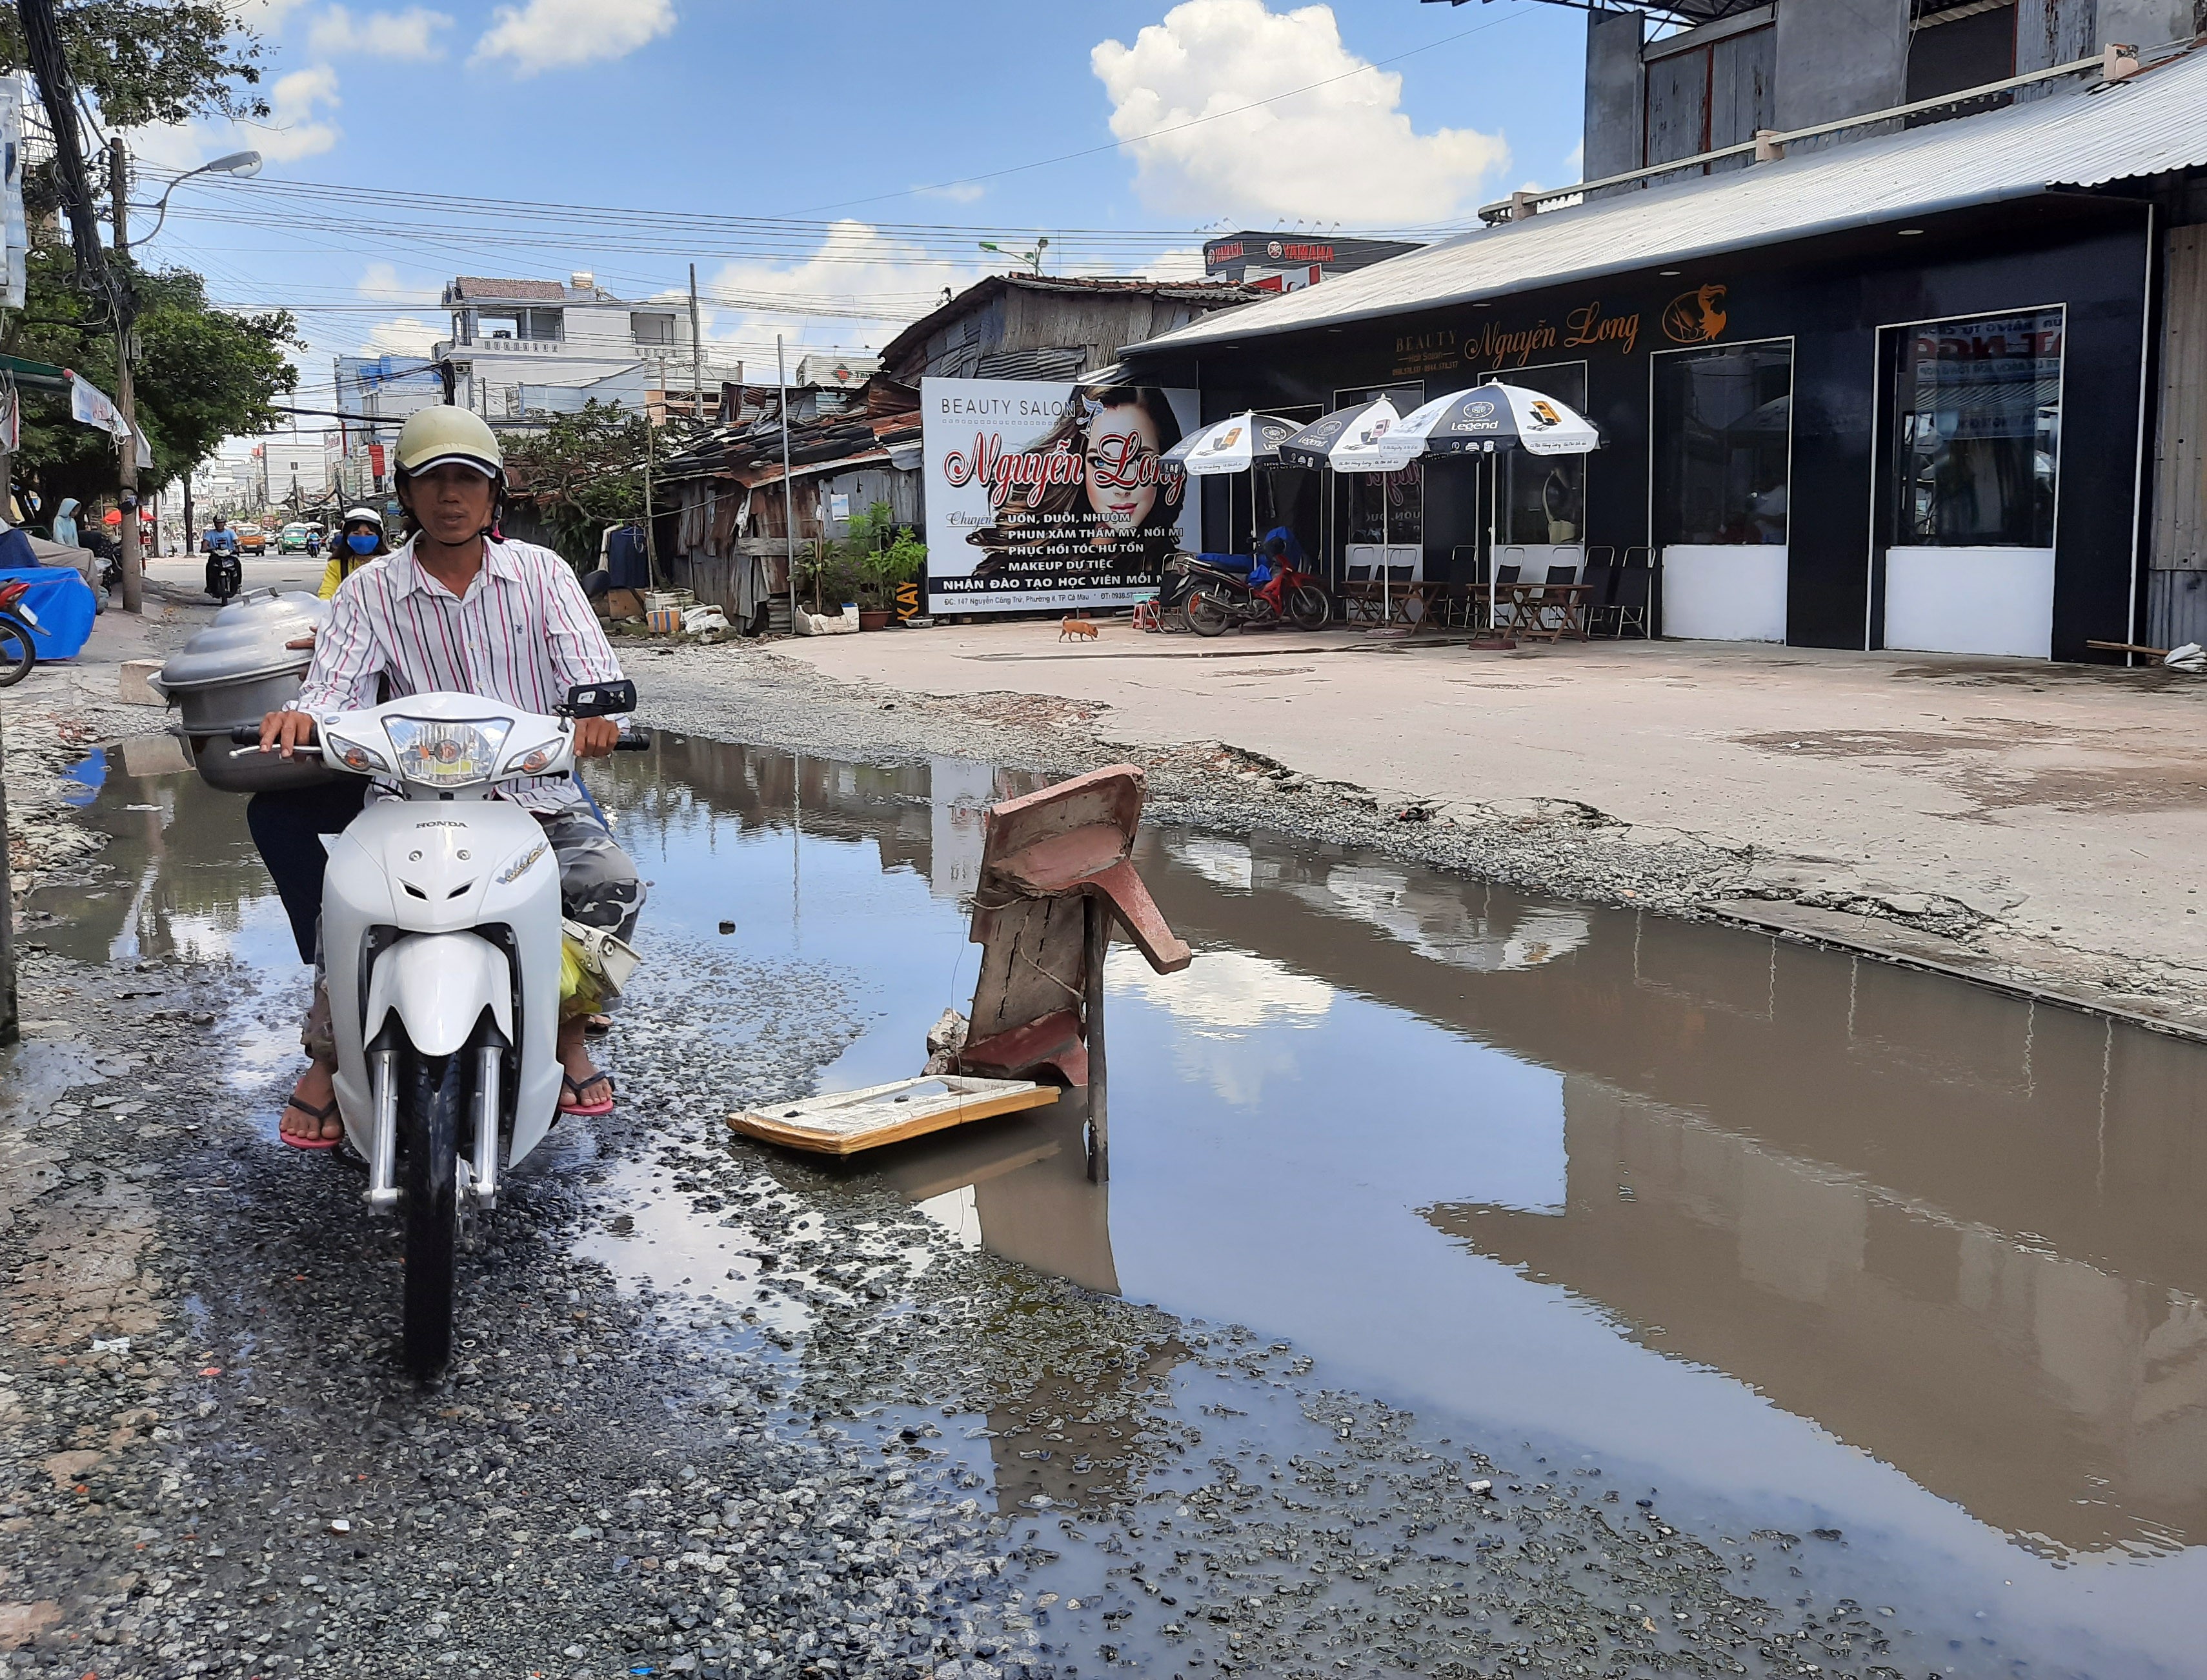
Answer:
(234, 672)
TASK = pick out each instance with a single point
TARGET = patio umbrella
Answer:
(1347, 441)
(1486, 419)
(1233, 446)
(1239, 444)
(1354, 439)
(1489, 417)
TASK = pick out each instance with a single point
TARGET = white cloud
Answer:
(380, 283)
(297, 127)
(857, 265)
(1342, 151)
(408, 35)
(402, 335)
(1183, 263)
(263, 17)
(560, 34)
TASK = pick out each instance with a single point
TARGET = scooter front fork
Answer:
(382, 1146)
(488, 1059)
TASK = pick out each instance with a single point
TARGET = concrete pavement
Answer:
(2050, 816)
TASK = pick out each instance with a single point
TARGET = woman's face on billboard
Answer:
(1122, 465)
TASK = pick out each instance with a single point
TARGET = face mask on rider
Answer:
(360, 542)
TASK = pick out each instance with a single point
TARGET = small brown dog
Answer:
(1072, 629)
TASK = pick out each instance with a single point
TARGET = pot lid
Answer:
(246, 641)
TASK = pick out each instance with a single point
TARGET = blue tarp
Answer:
(64, 604)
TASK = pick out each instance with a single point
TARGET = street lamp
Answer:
(242, 164)
(1032, 258)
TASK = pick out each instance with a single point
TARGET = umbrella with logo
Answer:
(1233, 446)
(1359, 439)
(1488, 419)
(1239, 444)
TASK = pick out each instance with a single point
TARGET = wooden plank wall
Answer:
(2176, 587)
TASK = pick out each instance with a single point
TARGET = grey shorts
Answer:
(599, 887)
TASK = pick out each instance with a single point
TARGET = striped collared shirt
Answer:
(523, 634)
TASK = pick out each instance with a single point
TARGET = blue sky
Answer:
(680, 110)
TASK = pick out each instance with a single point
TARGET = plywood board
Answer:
(843, 1122)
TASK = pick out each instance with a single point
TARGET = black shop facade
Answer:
(1925, 436)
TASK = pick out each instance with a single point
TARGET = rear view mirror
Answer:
(599, 700)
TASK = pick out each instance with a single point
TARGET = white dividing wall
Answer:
(1725, 591)
(1969, 601)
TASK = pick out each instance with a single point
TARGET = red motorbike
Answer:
(18, 652)
(1214, 599)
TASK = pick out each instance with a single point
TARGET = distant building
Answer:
(1047, 326)
(299, 469)
(1275, 262)
(527, 347)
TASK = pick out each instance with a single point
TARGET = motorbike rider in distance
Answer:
(454, 610)
(219, 544)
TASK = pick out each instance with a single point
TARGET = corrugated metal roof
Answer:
(2078, 137)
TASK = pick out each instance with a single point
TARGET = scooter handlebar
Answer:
(635, 740)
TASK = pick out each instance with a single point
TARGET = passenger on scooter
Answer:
(360, 540)
(455, 612)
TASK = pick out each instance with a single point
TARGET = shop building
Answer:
(1938, 387)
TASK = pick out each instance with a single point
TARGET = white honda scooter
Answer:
(441, 934)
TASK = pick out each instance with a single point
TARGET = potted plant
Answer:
(886, 555)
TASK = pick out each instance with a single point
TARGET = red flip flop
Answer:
(574, 1088)
(317, 1115)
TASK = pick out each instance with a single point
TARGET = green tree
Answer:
(202, 375)
(152, 61)
(584, 471)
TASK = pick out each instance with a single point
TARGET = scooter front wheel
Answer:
(433, 1094)
(1205, 616)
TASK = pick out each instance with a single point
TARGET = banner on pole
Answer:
(1044, 495)
(94, 407)
(15, 232)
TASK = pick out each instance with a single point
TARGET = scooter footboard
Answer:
(438, 984)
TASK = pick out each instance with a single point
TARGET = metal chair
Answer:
(1633, 600)
(1600, 579)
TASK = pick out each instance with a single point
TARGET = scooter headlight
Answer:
(438, 754)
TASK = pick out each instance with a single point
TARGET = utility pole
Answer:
(696, 355)
(650, 536)
(126, 398)
(788, 497)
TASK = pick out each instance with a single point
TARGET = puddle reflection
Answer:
(1826, 1241)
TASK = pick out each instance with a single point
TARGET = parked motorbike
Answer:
(1214, 599)
(442, 926)
(225, 575)
(18, 653)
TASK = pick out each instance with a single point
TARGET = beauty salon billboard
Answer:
(1044, 495)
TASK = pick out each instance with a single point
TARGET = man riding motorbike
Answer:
(455, 611)
(219, 544)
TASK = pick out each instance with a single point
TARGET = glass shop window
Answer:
(1723, 423)
(1544, 496)
(1977, 421)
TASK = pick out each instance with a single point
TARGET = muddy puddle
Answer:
(1805, 1243)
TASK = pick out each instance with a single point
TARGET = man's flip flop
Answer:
(320, 1116)
(576, 1087)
